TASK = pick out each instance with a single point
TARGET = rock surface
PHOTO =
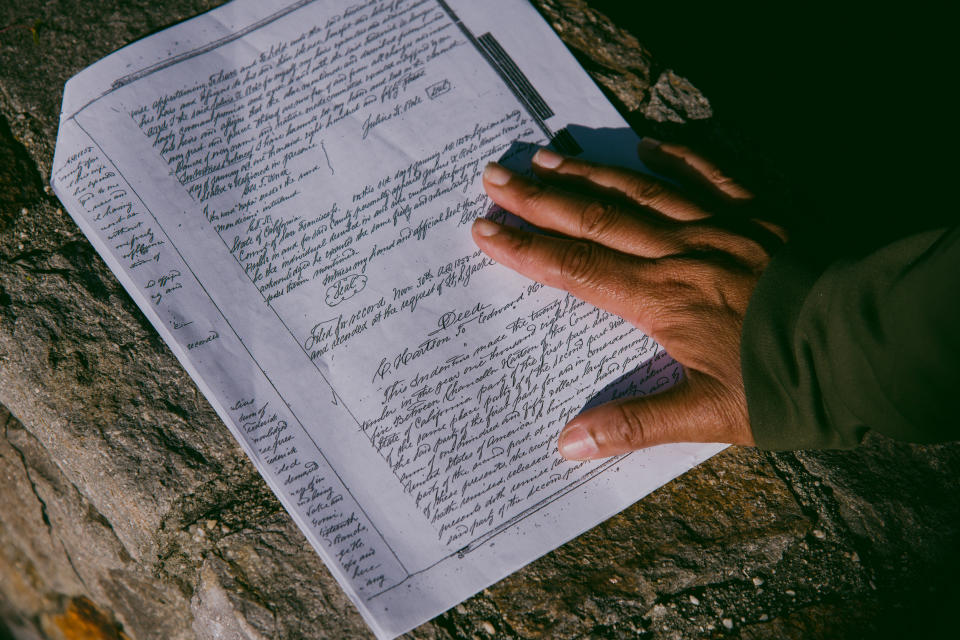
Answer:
(128, 511)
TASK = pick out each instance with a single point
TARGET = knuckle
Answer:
(627, 430)
(719, 178)
(702, 237)
(727, 185)
(578, 262)
(670, 322)
(726, 406)
(532, 197)
(671, 311)
(587, 168)
(646, 191)
(708, 238)
(659, 328)
(597, 218)
(520, 246)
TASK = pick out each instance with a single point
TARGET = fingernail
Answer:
(648, 145)
(576, 443)
(547, 159)
(485, 228)
(496, 174)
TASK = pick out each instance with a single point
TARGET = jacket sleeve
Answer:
(831, 352)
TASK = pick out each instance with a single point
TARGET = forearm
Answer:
(867, 344)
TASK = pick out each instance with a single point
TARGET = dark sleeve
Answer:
(829, 353)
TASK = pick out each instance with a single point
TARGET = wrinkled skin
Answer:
(679, 267)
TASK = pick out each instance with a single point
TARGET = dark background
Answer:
(849, 108)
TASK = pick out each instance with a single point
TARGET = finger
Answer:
(615, 226)
(678, 160)
(579, 216)
(681, 414)
(752, 242)
(596, 274)
(646, 191)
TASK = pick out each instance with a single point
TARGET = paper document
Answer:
(286, 191)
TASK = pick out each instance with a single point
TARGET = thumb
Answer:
(683, 413)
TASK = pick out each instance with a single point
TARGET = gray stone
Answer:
(128, 511)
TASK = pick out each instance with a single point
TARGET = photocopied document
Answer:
(286, 190)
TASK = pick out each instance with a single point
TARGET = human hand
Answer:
(635, 246)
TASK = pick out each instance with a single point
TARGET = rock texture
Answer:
(127, 510)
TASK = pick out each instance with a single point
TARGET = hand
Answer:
(637, 247)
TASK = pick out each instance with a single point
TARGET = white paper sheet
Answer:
(286, 190)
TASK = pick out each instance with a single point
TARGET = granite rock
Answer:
(128, 511)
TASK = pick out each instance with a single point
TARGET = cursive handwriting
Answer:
(466, 436)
